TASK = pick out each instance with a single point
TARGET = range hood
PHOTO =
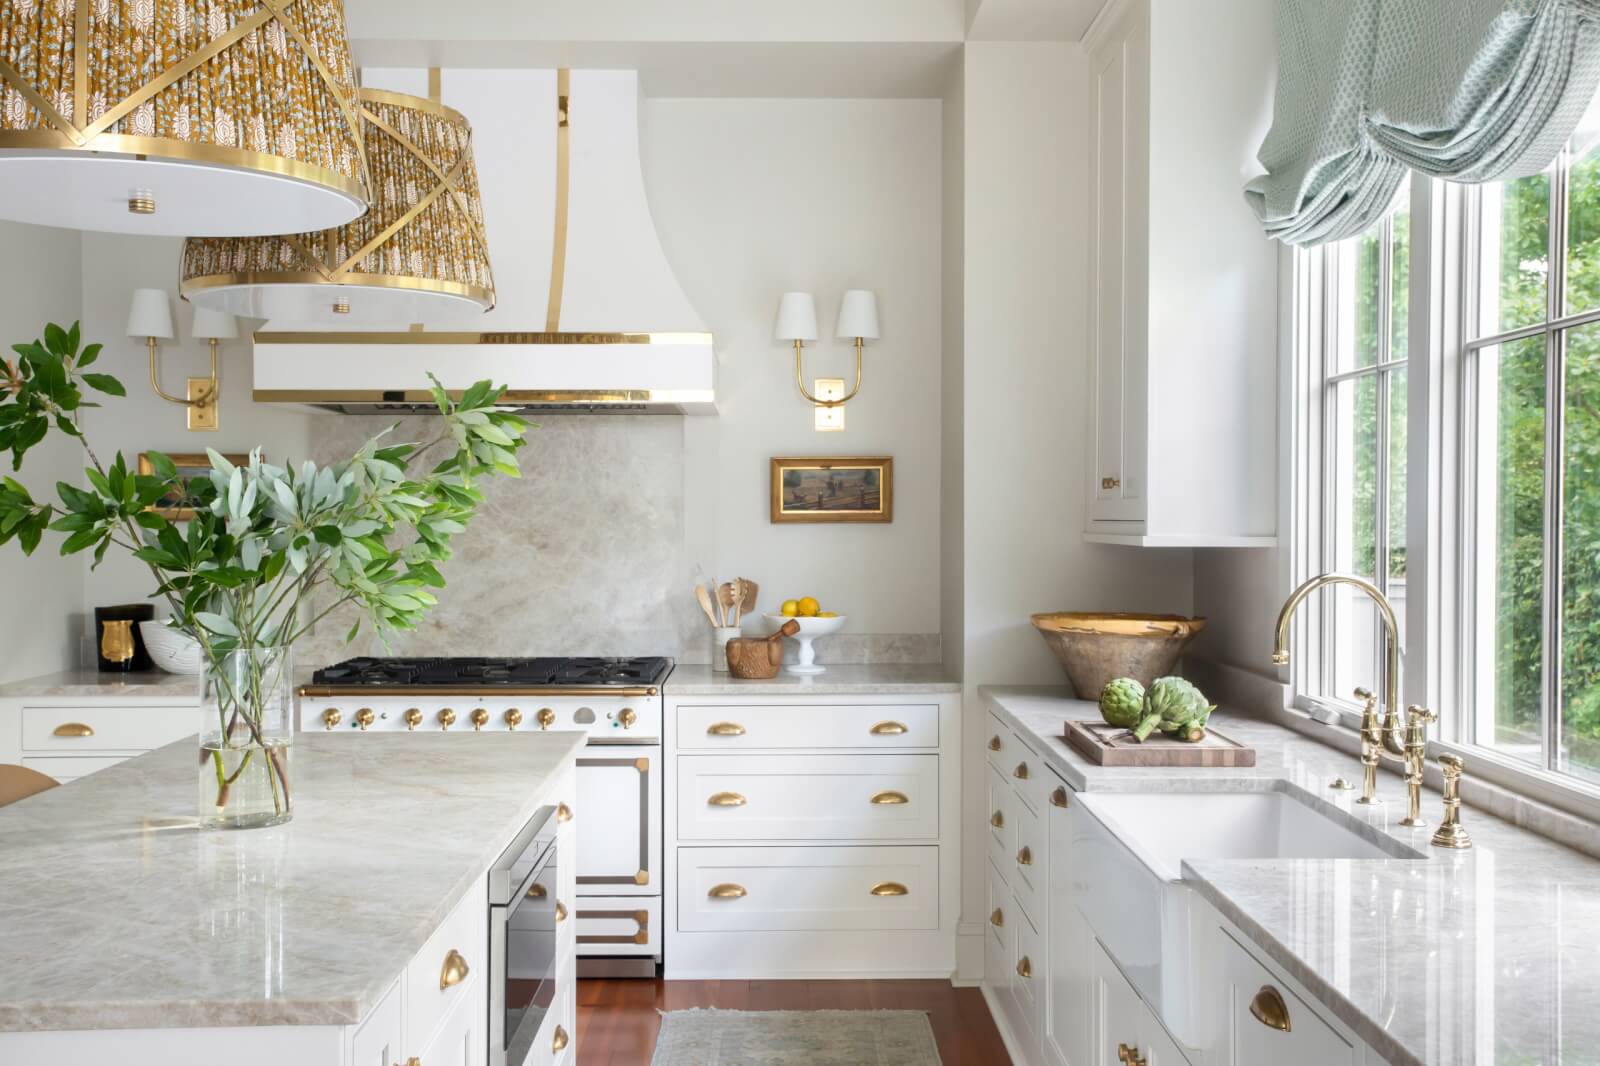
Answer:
(590, 317)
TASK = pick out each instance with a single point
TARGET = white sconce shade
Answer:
(150, 315)
(210, 325)
(797, 317)
(858, 316)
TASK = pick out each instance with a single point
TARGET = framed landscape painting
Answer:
(190, 465)
(833, 489)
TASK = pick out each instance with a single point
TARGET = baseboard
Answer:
(1014, 1047)
(969, 955)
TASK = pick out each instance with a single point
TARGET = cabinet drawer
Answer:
(556, 1043)
(1001, 821)
(73, 729)
(619, 925)
(1029, 777)
(464, 933)
(1002, 914)
(808, 797)
(815, 726)
(66, 768)
(1028, 872)
(1028, 973)
(1247, 1039)
(808, 889)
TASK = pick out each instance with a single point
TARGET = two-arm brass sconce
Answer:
(797, 322)
(150, 319)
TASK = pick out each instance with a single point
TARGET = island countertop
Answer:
(117, 913)
(145, 684)
(1484, 955)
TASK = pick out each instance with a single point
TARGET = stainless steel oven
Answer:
(522, 940)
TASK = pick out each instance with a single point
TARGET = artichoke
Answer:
(1122, 702)
(1175, 707)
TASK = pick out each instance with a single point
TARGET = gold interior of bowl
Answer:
(1117, 624)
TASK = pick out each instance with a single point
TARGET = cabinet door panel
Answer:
(1069, 986)
(378, 1041)
(1117, 1010)
(1246, 1040)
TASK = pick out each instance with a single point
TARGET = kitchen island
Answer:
(130, 936)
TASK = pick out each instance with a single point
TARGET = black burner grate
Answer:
(490, 672)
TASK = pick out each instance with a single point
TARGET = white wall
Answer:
(952, 454)
(40, 620)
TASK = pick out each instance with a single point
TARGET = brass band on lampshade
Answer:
(265, 86)
(424, 232)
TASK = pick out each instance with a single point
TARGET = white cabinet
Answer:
(72, 737)
(1068, 985)
(1264, 1019)
(1183, 284)
(379, 1040)
(1116, 1012)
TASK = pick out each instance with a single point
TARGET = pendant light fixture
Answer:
(179, 117)
(420, 249)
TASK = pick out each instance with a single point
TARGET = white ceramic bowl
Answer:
(174, 652)
(810, 627)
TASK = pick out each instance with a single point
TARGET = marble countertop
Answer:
(118, 914)
(841, 680)
(151, 684)
(1484, 955)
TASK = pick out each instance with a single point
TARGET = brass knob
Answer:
(364, 717)
(888, 729)
(561, 911)
(994, 743)
(1270, 1010)
(1109, 483)
(563, 813)
(725, 729)
(998, 918)
(480, 718)
(73, 729)
(331, 717)
(890, 799)
(727, 892)
(454, 970)
(558, 1041)
(890, 888)
(726, 799)
(627, 716)
(1021, 772)
(513, 718)
(1024, 967)
(1129, 1056)
(1058, 798)
(546, 718)
(447, 718)
(413, 718)
(998, 819)
(1025, 857)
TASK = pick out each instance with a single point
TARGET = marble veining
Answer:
(844, 680)
(152, 684)
(1486, 955)
(117, 913)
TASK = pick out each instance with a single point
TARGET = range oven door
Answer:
(522, 955)
(619, 821)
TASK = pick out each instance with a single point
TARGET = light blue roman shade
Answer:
(1471, 90)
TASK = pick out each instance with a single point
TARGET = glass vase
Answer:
(246, 734)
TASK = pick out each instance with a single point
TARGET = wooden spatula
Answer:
(729, 600)
(703, 596)
(748, 591)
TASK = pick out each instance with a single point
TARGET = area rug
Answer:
(795, 1038)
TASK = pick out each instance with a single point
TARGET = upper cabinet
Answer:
(1183, 435)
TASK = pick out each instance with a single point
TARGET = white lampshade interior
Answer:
(797, 317)
(858, 315)
(150, 315)
(210, 324)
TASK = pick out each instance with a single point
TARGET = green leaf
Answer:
(55, 339)
(90, 354)
(105, 383)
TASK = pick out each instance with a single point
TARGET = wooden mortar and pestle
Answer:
(758, 658)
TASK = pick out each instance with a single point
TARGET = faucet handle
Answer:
(1418, 713)
(1363, 694)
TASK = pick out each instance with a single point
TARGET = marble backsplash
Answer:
(583, 554)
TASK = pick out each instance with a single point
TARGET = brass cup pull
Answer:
(454, 970)
(998, 918)
(998, 819)
(994, 743)
(1129, 1056)
(558, 1041)
(890, 888)
(888, 729)
(1109, 483)
(726, 799)
(330, 718)
(1270, 1010)
(725, 729)
(561, 911)
(536, 891)
(1058, 798)
(1021, 772)
(73, 729)
(563, 813)
(1025, 857)
(890, 799)
(727, 892)
(1024, 967)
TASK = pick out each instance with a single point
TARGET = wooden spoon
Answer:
(704, 597)
(748, 591)
(729, 600)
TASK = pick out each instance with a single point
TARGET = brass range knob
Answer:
(480, 718)
(413, 718)
(513, 718)
(331, 717)
(546, 718)
(627, 716)
(447, 718)
(364, 718)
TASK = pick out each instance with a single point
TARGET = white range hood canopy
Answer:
(590, 315)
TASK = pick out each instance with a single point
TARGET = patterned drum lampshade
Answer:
(179, 117)
(420, 248)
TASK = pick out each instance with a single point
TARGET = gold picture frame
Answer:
(832, 489)
(190, 465)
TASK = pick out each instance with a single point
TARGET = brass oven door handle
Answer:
(725, 729)
(1270, 1010)
(454, 970)
(890, 888)
(890, 799)
(73, 729)
(726, 799)
(888, 729)
(728, 891)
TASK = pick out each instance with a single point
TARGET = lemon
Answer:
(790, 608)
(827, 614)
(809, 607)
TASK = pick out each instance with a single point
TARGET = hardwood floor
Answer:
(617, 1019)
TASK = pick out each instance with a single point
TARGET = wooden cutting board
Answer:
(1110, 745)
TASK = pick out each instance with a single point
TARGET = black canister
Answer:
(118, 644)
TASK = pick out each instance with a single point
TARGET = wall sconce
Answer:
(150, 319)
(797, 322)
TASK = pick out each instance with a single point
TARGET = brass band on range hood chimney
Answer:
(558, 252)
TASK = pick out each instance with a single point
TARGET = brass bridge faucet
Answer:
(1389, 733)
